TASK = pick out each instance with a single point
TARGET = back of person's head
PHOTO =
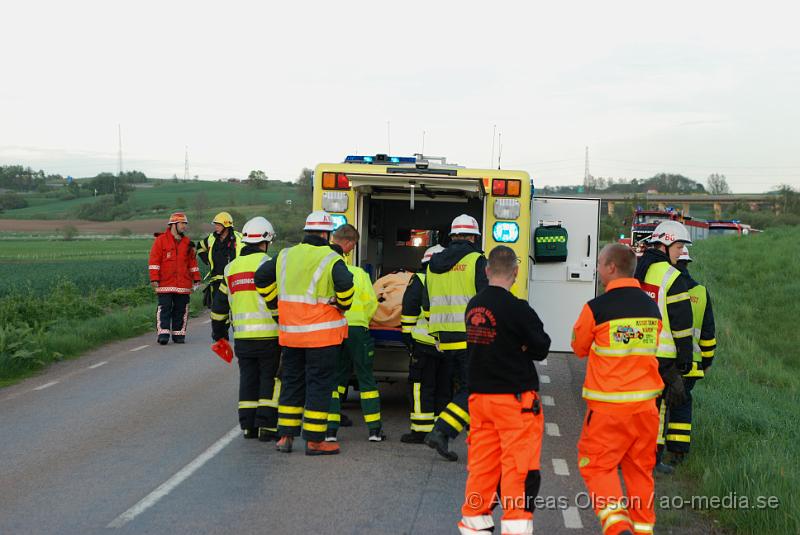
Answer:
(346, 232)
(620, 256)
(502, 261)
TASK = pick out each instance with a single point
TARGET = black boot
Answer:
(345, 420)
(250, 432)
(439, 441)
(265, 435)
(414, 437)
(179, 339)
(163, 339)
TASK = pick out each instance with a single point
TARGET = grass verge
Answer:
(746, 436)
(27, 348)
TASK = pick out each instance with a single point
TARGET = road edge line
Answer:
(180, 476)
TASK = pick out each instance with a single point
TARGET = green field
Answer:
(746, 435)
(59, 299)
(158, 198)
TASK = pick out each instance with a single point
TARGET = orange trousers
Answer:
(505, 444)
(626, 441)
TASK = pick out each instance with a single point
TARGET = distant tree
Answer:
(257, 179)
(718, 184)
(200, 204)
(306, 178)
(180, 202)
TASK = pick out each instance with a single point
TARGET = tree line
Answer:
(716, 184)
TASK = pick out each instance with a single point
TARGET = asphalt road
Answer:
(136, 438)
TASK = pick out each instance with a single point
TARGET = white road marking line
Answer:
(552, 429)
(46, 385)
(169, 485)
(544, 378)
(549, 401)
(206, 322)
(543, 362)
(560, 467)
(139, 348)
(93, 366)
(572, 518)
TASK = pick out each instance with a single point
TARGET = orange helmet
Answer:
(178, 217)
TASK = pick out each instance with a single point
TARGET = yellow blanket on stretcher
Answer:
(390, 289)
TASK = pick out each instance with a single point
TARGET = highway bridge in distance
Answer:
(756, 201)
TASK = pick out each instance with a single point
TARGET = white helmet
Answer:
(430, 251)
(685, 254)
(257, 230)
(669, 232)
(319, 220)
(465, 224)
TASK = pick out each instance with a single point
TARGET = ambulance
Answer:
(401, 205)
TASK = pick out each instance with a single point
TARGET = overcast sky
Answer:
(685, 87)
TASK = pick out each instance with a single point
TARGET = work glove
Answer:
(154, 285)
(675, 392)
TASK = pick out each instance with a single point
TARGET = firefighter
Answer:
(664, 284)
(504, 337)
(453, 277)
(216, 250)
(430, 384)
(679, 426)
(311, 288)
(255, 332)
(358, 349)
(173, 275)
(619, 332)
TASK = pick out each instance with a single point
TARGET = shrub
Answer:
(11, 200)
(69, 232)
(125, 232)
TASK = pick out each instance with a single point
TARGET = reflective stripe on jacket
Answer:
(249, 314)
(619, 332)
(308, 317)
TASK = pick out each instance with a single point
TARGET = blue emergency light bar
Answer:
(380, 158)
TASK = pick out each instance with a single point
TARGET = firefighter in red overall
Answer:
(173, 276)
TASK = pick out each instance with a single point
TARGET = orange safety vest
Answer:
(305, 293)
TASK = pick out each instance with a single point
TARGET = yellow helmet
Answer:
(224, 219)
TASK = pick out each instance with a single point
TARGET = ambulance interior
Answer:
(394, 235)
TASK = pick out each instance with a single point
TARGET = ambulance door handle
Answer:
(588, 244)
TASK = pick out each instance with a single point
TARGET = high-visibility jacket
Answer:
(173, 264)
(250, 317)
(448, 295)
(415, 325)
(307, 315)
(657, 283)
(365, 302)
(619, 332)
(206, 247)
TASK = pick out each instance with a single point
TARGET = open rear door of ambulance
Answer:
(561, 281)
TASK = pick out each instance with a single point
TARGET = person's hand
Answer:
(675, 391)
(196, 286)
(154, 285)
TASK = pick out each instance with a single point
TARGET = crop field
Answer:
(35, 267)
(61, 298)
